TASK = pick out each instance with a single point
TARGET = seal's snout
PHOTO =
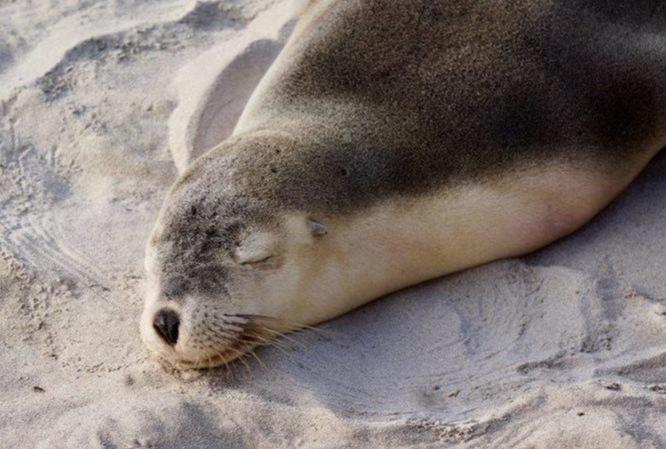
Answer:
(166, 323)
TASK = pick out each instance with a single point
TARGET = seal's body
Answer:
(393, 142)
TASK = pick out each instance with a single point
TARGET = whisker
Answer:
(251, 352)
(244, 362)
(254, 340)
(229, 370)
(229, 347)
(239, 319)
(226, 364)
(220, 331)
(223, 336)
(244, 351)
(238, 357)
(283, 349)
(287, 337)
(240, 334)
(266, 341)
(290, 326)
(233, 326)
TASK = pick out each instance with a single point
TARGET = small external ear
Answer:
(258, 250)
(316, 228)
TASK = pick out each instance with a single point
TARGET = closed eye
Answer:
(254, 262)
(267, 262)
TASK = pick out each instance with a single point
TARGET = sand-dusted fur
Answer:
(392, 142)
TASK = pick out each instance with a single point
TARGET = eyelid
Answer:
(255, 262)
(269, 262)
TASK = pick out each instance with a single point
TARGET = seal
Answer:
(395, 142)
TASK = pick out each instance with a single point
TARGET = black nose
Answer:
(166, 324)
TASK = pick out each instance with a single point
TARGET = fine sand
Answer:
(102, 102)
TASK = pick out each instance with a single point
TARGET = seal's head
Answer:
(224, 269)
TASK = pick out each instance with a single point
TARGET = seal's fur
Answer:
(547, 108)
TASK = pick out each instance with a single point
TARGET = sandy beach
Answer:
(102, 103)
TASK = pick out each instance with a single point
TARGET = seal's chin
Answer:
(175, 358)
(199, 362)
(186, 359)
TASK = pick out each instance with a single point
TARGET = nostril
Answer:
(166, 324)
